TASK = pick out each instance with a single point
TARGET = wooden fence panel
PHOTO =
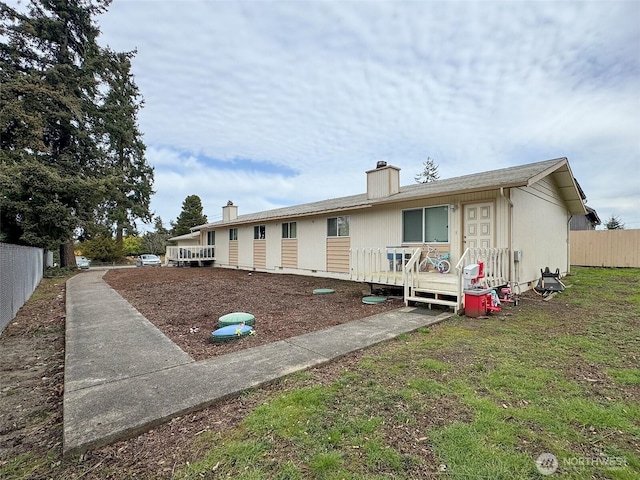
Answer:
(605, 248)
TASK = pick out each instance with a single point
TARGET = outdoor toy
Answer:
(438, 261)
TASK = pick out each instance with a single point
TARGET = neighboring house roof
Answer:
(592, 215)
(585, 222)
(520, 176)
(186, 236)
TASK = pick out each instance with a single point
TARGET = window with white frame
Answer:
(426, 225)
(233, 234)
(259, 232)
(211, 237)
(289, 230)
(338, 227)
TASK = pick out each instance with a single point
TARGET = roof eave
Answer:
(276, 218)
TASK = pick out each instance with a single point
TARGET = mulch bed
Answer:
(186, 303)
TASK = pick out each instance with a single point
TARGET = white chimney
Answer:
(229, 212)
(383, 181)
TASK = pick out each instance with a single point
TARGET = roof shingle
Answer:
(517, 176)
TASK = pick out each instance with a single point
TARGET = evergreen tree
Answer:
(129, 177)
(158, 224)
(190, 216)
(156, 242)
(61, 162)
(429, 173)
(614, 223)
(49, 153)
(44, 132)
(103, 248)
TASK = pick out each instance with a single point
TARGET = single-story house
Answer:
(188, 251)
(514, 220)
(191, 239)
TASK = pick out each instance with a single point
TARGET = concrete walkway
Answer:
(123, 376)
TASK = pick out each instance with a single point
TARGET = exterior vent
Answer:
(381, 163)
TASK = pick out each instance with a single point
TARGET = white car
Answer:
(82, 263)
(148, 261)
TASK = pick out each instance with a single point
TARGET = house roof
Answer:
(593, 217)
(186, 236)
(519, 176)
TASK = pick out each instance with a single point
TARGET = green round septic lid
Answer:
(323, 291)
(374, 300)
(236, 318)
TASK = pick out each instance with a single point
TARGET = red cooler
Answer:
(476, 301)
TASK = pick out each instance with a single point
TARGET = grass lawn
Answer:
(469, 398)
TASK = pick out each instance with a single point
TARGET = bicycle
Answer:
(438, 261)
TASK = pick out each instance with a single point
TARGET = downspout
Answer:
(510, 233)
(569, 244)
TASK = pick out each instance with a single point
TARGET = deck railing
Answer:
(379, 265)
(190, 254)
(411, 273)
(496, 266)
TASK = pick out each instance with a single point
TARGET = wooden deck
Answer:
(188, 255)
(399, 266)
(446, 282)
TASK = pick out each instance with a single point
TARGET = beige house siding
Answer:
(382, 226)
(525, 218)
(245, 246)
(289, 252)
(540, 220)
(338, 254)
(260, 254)
(273, 235)
(233, 253)
(312, 251)
(222, 246)
(192, 242)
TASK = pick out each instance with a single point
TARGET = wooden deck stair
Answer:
(378, 265)
(435, 289)
(433, 297)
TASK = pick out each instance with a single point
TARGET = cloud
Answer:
(312, 94)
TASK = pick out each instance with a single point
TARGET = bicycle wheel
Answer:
(444, 266)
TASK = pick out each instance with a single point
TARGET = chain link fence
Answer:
(21, 270)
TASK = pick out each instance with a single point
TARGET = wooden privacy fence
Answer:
(605, 248)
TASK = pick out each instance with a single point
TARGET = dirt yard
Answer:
(186, 303)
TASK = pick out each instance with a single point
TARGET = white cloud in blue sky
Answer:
(274, 103)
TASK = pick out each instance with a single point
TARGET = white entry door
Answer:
(478, 225)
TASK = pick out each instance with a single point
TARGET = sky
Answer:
(277, 103)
